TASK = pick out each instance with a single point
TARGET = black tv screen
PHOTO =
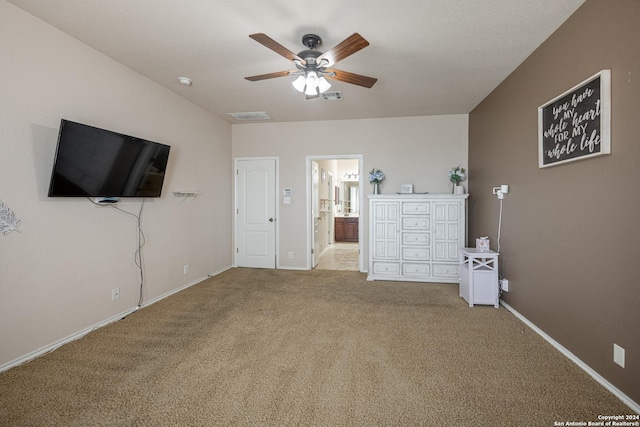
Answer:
(93, 162)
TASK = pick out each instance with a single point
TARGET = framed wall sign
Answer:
(576, 124)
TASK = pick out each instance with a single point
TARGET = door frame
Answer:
(363, 208)
(277, 205)
(315, 207)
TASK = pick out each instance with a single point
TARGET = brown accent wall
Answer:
(570, 232)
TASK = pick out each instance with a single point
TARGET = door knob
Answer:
(271, 220)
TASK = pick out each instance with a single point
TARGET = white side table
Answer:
(479, 276)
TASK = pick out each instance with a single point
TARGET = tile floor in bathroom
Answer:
(339, 256)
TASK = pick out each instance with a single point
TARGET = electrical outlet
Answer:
(115, 294)
(504, 285)
(618, 355)
(290, 255)
(185, 269)
(501, 191)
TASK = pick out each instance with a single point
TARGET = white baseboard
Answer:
(182, 288)
(596, 376)
(53, 346)
(306, 269)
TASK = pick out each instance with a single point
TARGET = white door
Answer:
(315, 213)
(255, 213)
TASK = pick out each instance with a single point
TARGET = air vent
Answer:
(255, 115)
(332, 96)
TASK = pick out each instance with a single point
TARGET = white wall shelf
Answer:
(185, 195)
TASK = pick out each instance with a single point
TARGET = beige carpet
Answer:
(312, 348)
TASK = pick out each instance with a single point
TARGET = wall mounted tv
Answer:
(92, 162)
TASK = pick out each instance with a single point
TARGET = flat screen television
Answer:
(93, 162)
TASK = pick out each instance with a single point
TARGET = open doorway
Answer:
(335, 225)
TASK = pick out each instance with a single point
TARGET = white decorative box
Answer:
(482, 243)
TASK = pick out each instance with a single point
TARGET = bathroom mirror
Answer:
(351, 202)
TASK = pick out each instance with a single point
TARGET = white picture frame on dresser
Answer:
(416, 237)
(406, 188)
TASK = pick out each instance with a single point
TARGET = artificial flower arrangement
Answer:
(375, 175)
(456, 175)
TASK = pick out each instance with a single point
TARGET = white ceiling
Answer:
(431, 57)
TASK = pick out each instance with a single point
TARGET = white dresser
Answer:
(416, 237)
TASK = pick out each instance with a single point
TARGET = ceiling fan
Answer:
(313, 66)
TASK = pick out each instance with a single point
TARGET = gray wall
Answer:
(570, 232)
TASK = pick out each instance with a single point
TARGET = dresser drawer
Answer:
(415, 208)
(386, 268)
(421, 239)
(411, 269)
(415, 223)
(415, 254)
(445, 270)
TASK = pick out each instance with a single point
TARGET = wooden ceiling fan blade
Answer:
(347, 47)
(268, 76)
(267, 41)
(354, 79)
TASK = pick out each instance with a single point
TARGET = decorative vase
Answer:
(376, 188)
(458, 189)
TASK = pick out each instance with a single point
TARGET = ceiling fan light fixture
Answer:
(312, 72)
(311, 91)
(299, 83)
(323, 84)
(312, 82)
